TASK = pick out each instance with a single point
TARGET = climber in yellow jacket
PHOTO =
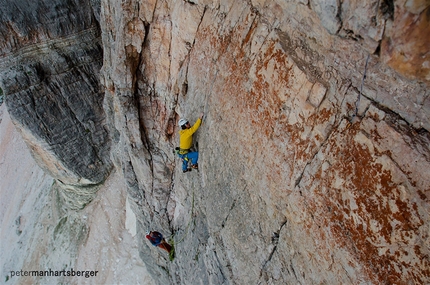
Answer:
(186, 142)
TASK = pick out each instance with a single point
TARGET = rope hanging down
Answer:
(172, 237)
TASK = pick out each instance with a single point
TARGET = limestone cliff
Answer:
(51, 59)
(35, 235)
(314, 150)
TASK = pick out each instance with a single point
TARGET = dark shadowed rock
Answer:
(51, 61)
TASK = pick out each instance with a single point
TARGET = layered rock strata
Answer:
(51, 59)
(36, 236)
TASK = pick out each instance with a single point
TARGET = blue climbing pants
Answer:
(191, 156)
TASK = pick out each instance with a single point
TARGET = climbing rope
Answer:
(171, 239)
(189, 222)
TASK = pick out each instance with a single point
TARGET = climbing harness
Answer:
(180, 151)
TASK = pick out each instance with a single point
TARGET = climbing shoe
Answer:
(195, 166)
(188, 169)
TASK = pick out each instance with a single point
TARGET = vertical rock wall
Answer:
(308, 173)
(314, 151)
(51, 60)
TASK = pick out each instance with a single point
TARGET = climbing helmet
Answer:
(183, 122)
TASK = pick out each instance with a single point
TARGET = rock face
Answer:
(36, 235)
(314, 151)
(403, 47)
(51, 59)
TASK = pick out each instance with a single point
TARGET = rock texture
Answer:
(51, 58)
(314, 151)
(37, 235)
(403, 47)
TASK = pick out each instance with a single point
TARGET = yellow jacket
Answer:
(186, 136)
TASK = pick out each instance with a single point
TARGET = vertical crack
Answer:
(229, 212)
(275, 241)
(357, 103)
(198, 27)
(323, 144)
(220, 268)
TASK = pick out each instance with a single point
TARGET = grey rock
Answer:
(50, 78)
(328, 12)
(299, 139)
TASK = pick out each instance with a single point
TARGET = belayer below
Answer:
(157, 239)
(186, 142)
